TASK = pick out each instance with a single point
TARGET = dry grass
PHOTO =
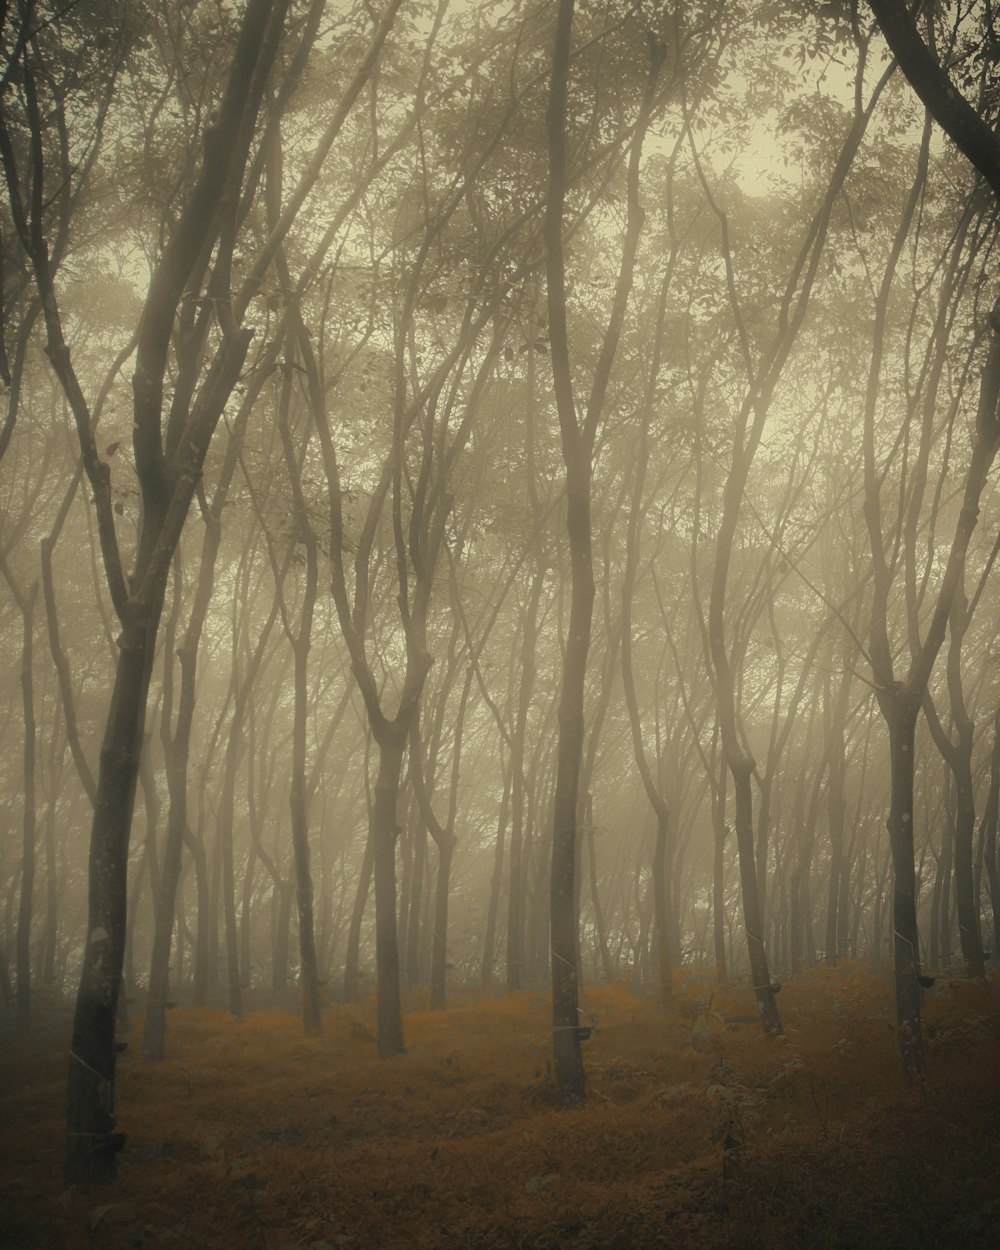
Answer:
(696, 1133)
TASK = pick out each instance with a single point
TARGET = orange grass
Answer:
(696, 1132)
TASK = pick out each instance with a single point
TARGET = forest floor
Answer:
(696, 1133)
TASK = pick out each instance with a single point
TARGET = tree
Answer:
(168, 456)
(578, 451)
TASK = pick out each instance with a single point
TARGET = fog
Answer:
(498, 523)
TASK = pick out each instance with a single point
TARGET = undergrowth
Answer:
(697, 1131)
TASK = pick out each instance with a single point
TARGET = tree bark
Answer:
(901, 715)
(25, 909)
(578, 449)
(384, 832)
(988, 833)
(496, 881)
(352, 992)
(92, 1142)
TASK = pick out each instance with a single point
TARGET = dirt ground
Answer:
(698, 1132)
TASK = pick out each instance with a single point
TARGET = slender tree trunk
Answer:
(132, 914)
(414, 973)
(205, 921)
(283, 897)
(228, 880)
(988, 833)
(662, 865)
(945, 866)
(563, 913)
(92, 1141)
(213, 954)
(958, 757)
(600, 924)
(966, 902)
(578, 440)
(154, 1028)
(352, 992)
(52, 894)
(25, 909)
(901, 714)
(176, 759)
(439, 947)
(720, 830)
(515, 896)
(764, 989)
(496, 882)
(405, 886)
(246, 910)
(384, 831)
(309, 971)
(564, 936)
(836, 814)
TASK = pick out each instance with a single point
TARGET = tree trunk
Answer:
(92, 1142)
(228, 881)
(414, 971)
(720, 830)
(600, 924)
(764, 989)
(836, 814)
(155, 1028)
(283, 895)
(384, 832)
(439, 947)
(518, 799)
(564, 919)
(25, 909)
(352, 992)
(246, 909)
(53, 894)
(308, 968)
(578, 449)
(988, 833)
(496, 881)
(662, 861)
(205, 922)
(901, 715)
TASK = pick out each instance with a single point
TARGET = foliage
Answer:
(698, 1132)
